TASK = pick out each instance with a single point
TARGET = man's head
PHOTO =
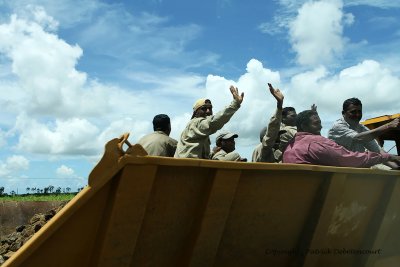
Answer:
(309, 121)
(202, 108)
(161, 122)
(289, 116)
(352, 111)
(226, 141)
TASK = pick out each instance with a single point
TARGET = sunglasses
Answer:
(204, 108)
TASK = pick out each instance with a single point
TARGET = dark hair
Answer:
(161, 122)
(351, 101)
(304, 117)
(285, 111)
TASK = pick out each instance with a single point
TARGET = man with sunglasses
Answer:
(194, 141)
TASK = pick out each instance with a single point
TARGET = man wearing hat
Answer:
(194, 141)
(226, 147)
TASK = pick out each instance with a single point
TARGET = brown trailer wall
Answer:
(151, 211)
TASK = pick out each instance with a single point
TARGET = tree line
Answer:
(41, 191)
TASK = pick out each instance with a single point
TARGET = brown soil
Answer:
(20, 220)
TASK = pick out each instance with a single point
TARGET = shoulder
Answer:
(340, 123)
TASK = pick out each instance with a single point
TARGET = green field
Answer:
(38, 197)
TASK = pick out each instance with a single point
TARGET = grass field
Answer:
(38, 197)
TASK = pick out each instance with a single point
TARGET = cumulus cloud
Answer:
(13, 165)
(72, 136)
(375, 85)
(316, 32)
(64, 171)
(55, 108)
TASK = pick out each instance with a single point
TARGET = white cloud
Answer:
(374, 3)
(13, 165)
(316, 32)
(72, 136)
(295, 4)
(258, 104)
(64, 11)
(375, 85)
(44, 66)
(64, 171)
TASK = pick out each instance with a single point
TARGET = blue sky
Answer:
(75, 74)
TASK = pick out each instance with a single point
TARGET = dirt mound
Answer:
(12, 242)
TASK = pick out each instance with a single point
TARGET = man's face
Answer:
(204, 111)
(353, 114)
(314, 125)
(290, 118)
(228, 145)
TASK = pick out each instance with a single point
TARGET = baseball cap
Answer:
(225, 135)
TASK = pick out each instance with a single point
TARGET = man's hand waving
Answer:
(277, 94)
(235, 94)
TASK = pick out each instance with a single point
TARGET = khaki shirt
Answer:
(222, 155)
(287, 136)
(158, 144)
(195, 141)
(265, 151)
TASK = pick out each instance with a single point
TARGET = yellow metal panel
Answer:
(152, 211)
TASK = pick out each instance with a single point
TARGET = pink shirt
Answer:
(308, 148)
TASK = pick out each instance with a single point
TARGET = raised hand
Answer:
(235, 94)
(276, 93)
(314, 107)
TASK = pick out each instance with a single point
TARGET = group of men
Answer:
(288, 138)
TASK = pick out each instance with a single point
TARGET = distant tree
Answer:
(28, 189)
(68, 189)
(1, 190)
(51, 188)
(12, 193)
(38, 190)
(58, 190)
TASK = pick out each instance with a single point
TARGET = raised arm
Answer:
(372, 134)
(211, 124)
(278, 96)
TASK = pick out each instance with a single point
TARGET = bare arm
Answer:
(372, 134)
